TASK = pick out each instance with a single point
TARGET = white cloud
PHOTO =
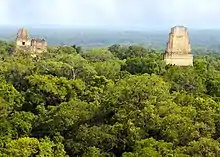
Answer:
(189, 11)
(111, 12)
(79, 12)
(4, 12)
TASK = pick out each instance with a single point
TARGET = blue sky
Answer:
(145, 14)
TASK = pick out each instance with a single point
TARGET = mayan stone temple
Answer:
(178, 51)
(23, 42)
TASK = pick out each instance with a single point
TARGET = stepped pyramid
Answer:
(178, 51)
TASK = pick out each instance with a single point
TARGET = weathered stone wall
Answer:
(178, 47)
(38, 45)
(180, 60)
(178, 42)
(23, 42)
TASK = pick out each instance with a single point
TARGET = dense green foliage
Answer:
(123, 101)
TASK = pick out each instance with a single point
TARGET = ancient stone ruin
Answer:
(23, 42)
(178, 50)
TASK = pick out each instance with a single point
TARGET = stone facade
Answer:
(178, 51)
(23, 42)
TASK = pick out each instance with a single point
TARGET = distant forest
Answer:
(201, 40)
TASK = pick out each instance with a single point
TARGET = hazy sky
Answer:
(111, 13)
